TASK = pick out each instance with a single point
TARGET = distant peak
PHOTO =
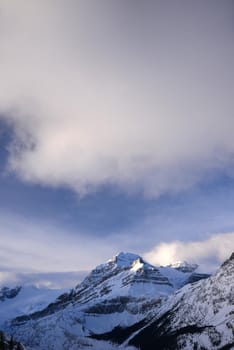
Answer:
(184, 266)
(9, 293)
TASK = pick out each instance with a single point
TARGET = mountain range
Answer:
(127, 303)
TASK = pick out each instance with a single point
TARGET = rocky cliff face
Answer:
(9, 293)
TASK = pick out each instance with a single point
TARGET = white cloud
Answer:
(209, 253)
(95, 98)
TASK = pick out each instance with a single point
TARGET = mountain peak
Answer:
(184, 266)
(126, 259)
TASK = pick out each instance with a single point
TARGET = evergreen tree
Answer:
(2, 341)
(11, 344)
(19, 347)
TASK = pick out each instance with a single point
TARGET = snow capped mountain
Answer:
(119, 294)
(125, 275)
(129, 274)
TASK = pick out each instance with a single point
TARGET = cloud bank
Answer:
(109, 93)
(209, 253)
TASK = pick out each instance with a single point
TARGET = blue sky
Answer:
(116, 132)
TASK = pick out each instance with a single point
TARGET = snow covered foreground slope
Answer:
(115, 301)
(24, 300)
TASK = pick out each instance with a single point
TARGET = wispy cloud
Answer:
(96, 98)
(209, 253)
(42, 280)
(31, 247)
(50, 255)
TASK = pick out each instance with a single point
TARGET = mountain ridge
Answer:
(123, 299)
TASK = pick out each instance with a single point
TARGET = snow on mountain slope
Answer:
(176, 277)
(198, 316)
(24, 300)
(119, 293)
(125, 275)
(128, 274)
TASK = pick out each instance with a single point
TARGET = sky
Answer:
(116, 133)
